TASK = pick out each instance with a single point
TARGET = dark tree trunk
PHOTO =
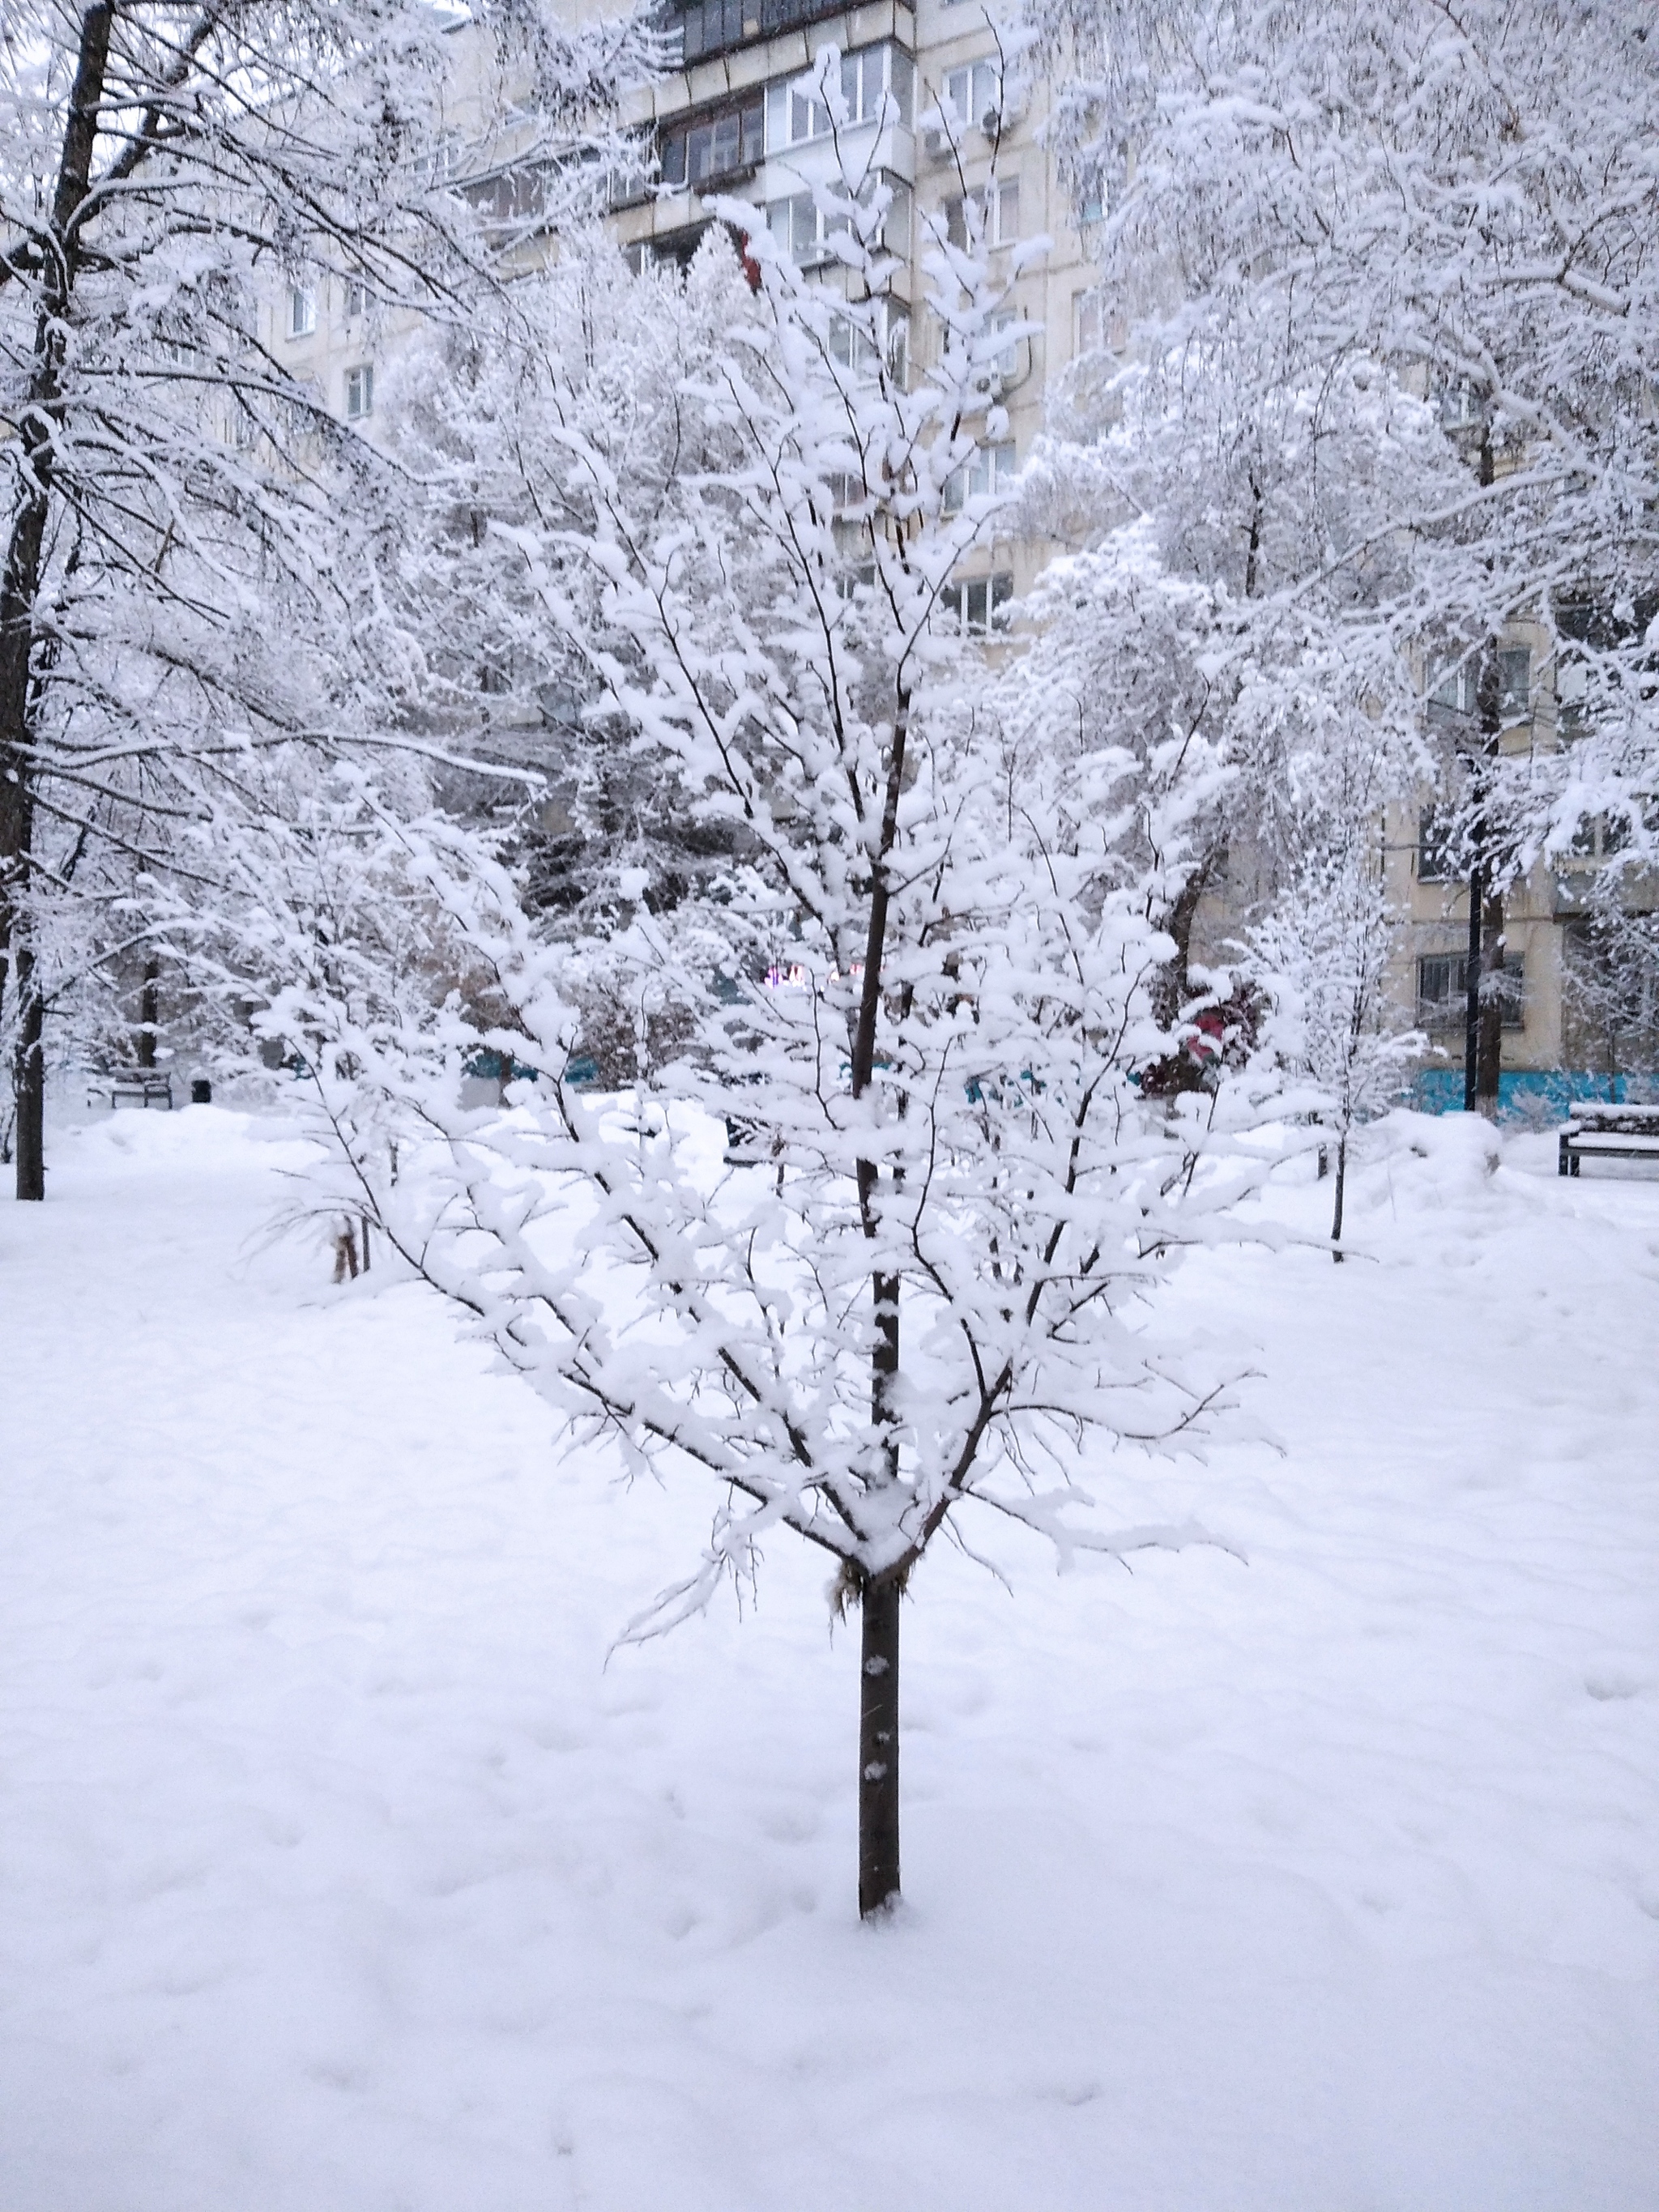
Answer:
(149, 1012)
(29, 1076)
(38, 418)
(878, 1748)
(1472, 982)
(878, 1801)
(1489, 1058)
(1341, 1186)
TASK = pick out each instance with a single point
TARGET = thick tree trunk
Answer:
(878, 1748)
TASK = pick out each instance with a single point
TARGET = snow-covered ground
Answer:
(342, 1874)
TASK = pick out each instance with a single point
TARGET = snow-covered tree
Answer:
(189, 537)
(920, 993)
(1322, 957)
(1467, 198)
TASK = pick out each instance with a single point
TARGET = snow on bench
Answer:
(1627, 1133)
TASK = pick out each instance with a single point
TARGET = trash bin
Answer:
(201, 1091)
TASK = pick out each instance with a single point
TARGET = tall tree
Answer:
(188, 535)
(919, 991)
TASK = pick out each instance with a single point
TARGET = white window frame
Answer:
(1006, 364)
(359, 391)
(973, 95)
(999, 203)
(802, 231)
(300, 321)
(973, 607)
(992, 469)
(796, 116)
(1456, 692)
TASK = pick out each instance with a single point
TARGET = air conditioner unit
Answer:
(937, 142)
(992, 122)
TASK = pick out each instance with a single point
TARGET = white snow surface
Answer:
(343, 1873)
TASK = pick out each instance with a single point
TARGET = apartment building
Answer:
(731, 122)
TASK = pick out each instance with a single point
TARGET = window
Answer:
(1007, 362)
(710, 27)
(974, 95)
(855, 339)
(301, 311)
(794, 117)
(714, 27)
(1600, 836)
(711, 146)
(1442, 990)
(1088, 323)
(1434, 848)
(802, 230)
(359, 392)
(1454, 695)
(1571, 690)
(868, 77)
(998, 208)
(851, 342)
(356, 298)
(798, 227)
(1515, 682)
(1457, 696)
(991, 469)
(1460, 403)
(977, 608)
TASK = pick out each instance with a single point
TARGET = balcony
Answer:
(708, 27)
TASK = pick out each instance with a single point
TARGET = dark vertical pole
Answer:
(878, 1748)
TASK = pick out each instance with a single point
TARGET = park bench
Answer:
(134, 1086)
(1608, 1133)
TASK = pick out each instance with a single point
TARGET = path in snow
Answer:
(343, 1875)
